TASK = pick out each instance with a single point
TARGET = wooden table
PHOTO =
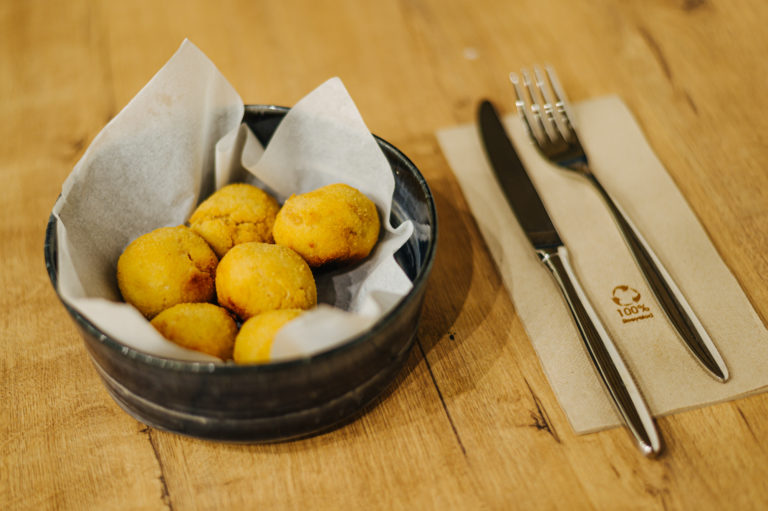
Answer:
(471, 422)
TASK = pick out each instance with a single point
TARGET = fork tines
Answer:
(543, 105)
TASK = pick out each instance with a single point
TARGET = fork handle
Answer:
(668, 295)
(604, 354)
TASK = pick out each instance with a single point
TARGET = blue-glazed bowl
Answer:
(284, 400)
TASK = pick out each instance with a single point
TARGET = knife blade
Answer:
(535, 221)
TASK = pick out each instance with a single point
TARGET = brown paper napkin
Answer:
(668, 375)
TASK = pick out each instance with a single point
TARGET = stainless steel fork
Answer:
(544, 108)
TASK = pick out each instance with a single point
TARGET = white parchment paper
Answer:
(177, 141)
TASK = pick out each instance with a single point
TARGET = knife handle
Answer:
(668, 295)
(606, 358)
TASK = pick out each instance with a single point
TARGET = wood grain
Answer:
(471, 423)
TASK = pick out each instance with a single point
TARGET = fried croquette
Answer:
(256, 277)
(333, 224)
(199, 326)
(253, 343)
(165, 267)
(237, 213)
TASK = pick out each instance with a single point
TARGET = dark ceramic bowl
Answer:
(284, 400)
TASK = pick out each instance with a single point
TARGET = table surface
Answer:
(471, 422)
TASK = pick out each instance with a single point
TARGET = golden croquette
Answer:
(237, 213)
(165, 267)
(253, 343)
(201, 327)
(333, 224)
(256, 277)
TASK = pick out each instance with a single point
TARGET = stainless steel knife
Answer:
(534, 219)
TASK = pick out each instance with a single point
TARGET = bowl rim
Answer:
(51, 263)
